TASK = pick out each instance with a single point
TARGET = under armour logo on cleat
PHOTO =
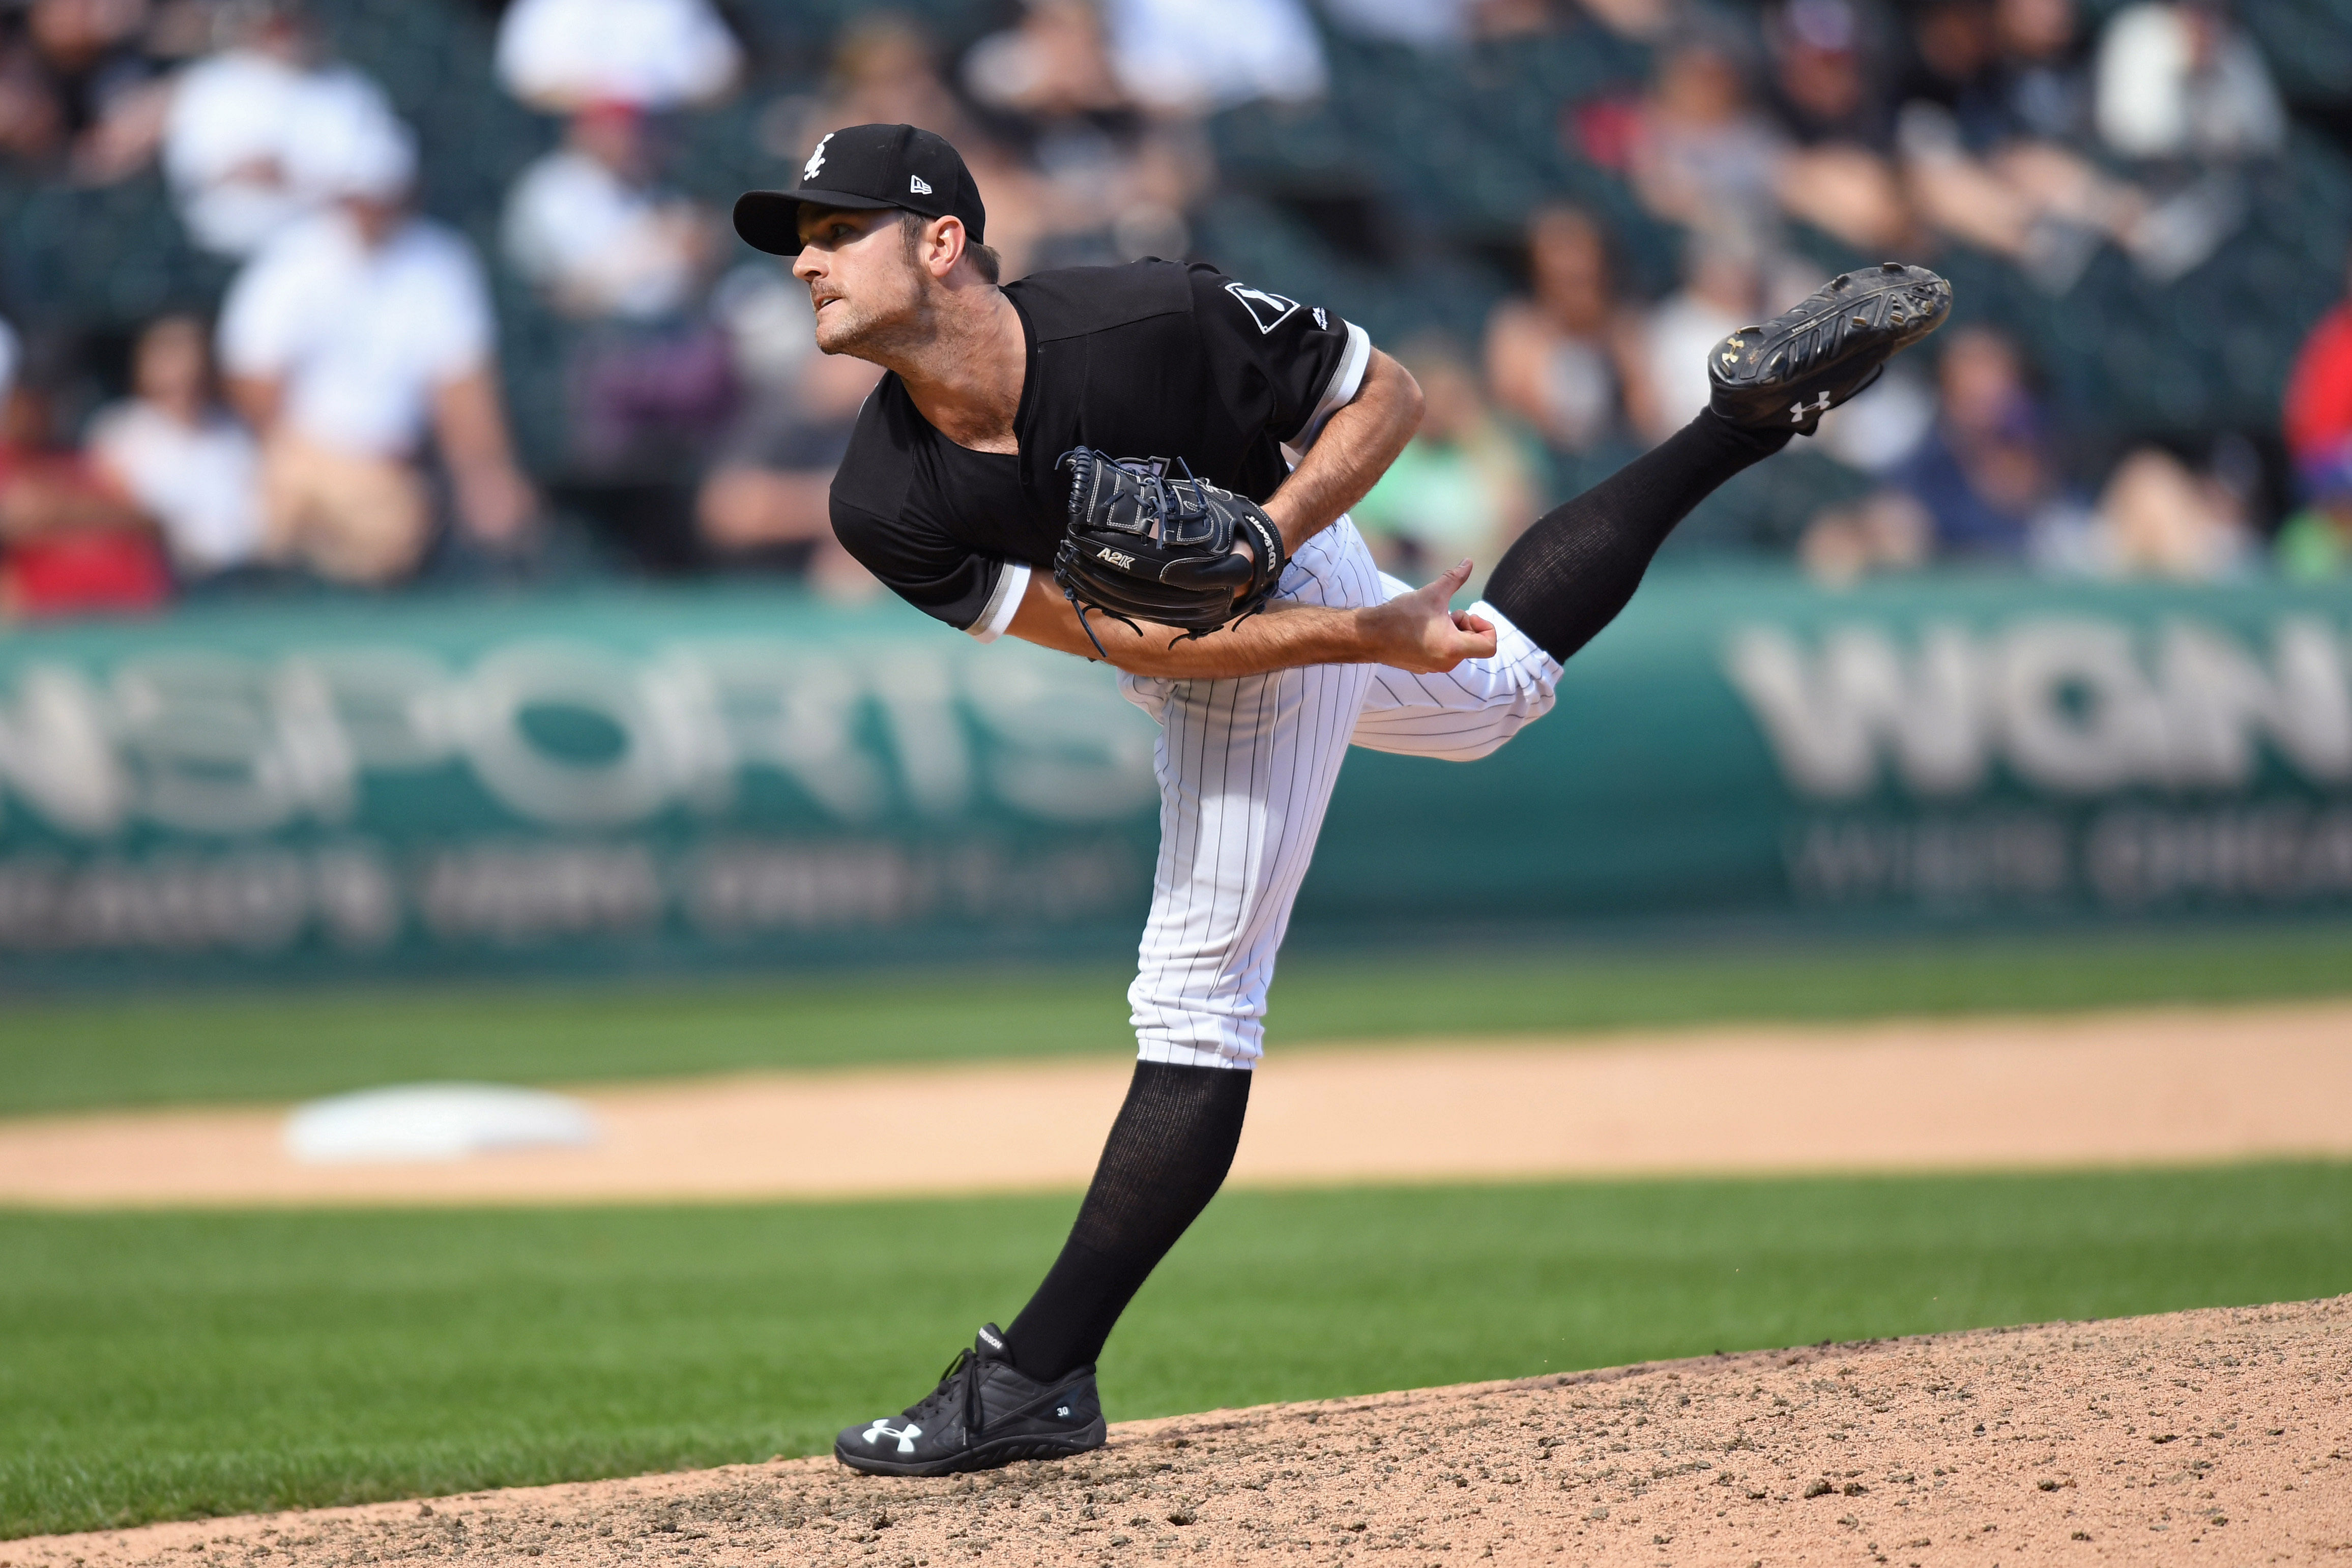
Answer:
(918, 185)
(1061, 1410)
(1798, 410)
(882, 1428)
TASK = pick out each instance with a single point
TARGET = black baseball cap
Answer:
(861, 168)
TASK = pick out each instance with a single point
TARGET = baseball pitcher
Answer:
(1151, 466)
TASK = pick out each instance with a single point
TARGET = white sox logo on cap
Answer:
(816, 159)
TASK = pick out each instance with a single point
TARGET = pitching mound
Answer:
(2214, 1437)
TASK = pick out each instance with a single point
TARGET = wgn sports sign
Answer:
(682, 778)
(661, 777)
(1972, 749)
(2139, 763)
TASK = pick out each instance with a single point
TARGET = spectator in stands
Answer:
(76, 85)
(2184, 96)
(1824, 84)
(765, 503)
(2317, 541)
(589, 225)
(1703, 156)
(1447, 24)
(1423, 24)
(1555, 358)
(188, 462)
(1985, 479)
(2010, 163)
(2157, 517)
(2179, 82)
(885, 70)
(343, 340)
(1722, 291)
(1949, 70)
(564, 55)
(1887, 532)
(239, 118)
(2041, 73)
(1194, 56)
(1464, 485)
(626, 259)
(1828, 97)
(1111, 183)
(72, 540)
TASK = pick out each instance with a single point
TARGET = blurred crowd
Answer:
(340, 415)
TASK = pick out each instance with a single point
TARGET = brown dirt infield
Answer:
(2158, 1086)
(2220, 1436)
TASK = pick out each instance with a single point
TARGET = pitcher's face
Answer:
(864, 286)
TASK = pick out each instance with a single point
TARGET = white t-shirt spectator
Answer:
(200, 482)
(2158, 99)
(362, 337)
(575, 226)
(1682, 332)
(654, 54)
(232, 143)
(1425, 24)
(1202, 55)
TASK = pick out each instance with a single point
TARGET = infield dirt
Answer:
(2162, 1086)
(2216, 1437)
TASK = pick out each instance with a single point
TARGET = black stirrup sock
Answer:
(1168, 1153)
(1567, 577)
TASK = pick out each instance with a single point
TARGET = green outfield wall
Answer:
(713, 777)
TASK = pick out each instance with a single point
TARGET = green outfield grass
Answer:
(157, 1366)
(57, 1055)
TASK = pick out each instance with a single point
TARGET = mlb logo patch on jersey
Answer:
(1268, 311)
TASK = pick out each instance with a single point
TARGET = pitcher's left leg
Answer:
(1247, 767)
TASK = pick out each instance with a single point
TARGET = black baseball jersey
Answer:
(1158, 359)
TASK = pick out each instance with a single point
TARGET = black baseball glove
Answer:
(1145, 547)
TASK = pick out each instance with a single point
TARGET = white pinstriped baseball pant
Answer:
(1247, 767)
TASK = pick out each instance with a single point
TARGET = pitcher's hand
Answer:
(1417, 632)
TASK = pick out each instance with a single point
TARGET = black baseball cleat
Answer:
(984, 1414)
(1804, 362)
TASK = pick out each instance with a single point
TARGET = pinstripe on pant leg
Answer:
(1465, 713)
(1246, 768)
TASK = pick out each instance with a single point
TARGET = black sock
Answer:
(1567, 577)
(1168, 1153)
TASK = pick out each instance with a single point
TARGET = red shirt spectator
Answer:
(71, 542)
(2319, 393)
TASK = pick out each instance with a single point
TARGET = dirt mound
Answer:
(2213, 1437)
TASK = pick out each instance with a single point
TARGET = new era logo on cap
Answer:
(865, 168)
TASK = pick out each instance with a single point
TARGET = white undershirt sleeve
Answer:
(1012, 587)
